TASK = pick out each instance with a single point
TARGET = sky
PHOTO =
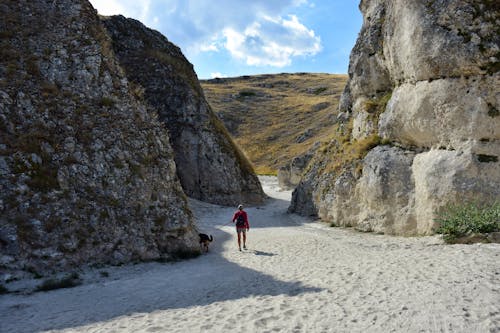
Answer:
(227, 38)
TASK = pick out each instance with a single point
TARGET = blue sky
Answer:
(225, 38)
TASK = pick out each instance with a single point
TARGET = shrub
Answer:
(43, 177)
(247, 93)
(459, 220)
(319, 90)
(492, 111)
(69, 281)
(48, 89)
(487, 158)
(107, 102)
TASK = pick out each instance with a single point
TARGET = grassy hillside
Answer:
(276, 117)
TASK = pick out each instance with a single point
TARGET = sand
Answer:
(296, 276)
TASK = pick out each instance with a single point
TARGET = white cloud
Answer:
(272, 42)
(257, 32)
(217, 74)
(209, 48)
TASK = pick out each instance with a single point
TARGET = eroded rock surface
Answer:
(210, 166)
(423, 84)
(87, 174)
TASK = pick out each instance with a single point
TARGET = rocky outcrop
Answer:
(210, 166)
(289, 175)
(423, 86)
(87, 173)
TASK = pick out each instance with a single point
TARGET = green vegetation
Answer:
(43, 177)
(342, 151)
(376, 106)
(247, 93)
(492, 111)
(487, 158)
(258, 110)
(48, 89)
(69, 281)
(458, 220)
(319, 90)
(107, 102)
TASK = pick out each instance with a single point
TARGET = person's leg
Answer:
(239, 240)
(244, 240)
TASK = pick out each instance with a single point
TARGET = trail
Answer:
(296, 276)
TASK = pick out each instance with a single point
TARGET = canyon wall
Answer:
(209, 165)
(87, 170)
(419, 119)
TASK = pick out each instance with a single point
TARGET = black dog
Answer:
(204, 241)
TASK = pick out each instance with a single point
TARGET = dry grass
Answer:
(267, 114)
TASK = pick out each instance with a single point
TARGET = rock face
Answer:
(423, 80)
(87, 173)
(210, 166)
(289, 175)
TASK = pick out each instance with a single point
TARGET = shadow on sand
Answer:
(151, 287)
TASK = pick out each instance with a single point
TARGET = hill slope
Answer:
(276, 117)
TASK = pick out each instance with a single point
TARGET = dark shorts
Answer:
(243, 230)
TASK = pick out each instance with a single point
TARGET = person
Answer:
(242, 226)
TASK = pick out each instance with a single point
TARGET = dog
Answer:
(204, 241)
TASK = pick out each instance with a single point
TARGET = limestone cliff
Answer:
(210, 166)
(423, 90)
(87, 173)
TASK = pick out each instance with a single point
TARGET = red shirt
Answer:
(245, 218)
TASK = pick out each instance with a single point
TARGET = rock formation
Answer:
(424, 91)
(289, 175)
(87, 173)
(210, 166)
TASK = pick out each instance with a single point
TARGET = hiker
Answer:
(242, 225)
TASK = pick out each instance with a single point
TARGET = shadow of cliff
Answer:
(151, 287)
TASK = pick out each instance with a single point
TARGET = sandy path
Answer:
(295, 277)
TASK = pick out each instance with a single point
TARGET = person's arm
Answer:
(234, 217)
